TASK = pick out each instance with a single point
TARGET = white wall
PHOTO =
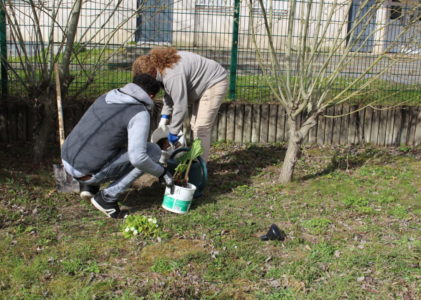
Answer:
(99, 22)
(212, 21)
(196, 23)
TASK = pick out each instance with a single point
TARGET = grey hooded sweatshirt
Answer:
(185, 83)
(115, 120)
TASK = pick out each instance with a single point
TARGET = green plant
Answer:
(317, 225)
(140, 225)
(399, 211)
(355, 201)
(185, 162)
(322, 252)
(163, 266)
(404, 149)
(76, 265)
(245, 191)
(365, 210)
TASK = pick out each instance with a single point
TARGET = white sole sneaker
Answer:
(109, 212)
(86, 195)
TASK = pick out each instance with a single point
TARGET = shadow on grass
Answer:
(225, 172)
(145, 198)
(346, 159)
(236, 168)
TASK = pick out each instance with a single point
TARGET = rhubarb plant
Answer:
(181, 174)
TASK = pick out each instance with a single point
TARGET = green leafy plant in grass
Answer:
(322, 252)
(366, 210)
(181, 174)
(135, 225)
(163, 266)
(399, 211)
(360, 204)
(76, 266)
(385, 197)
(245, 191)
(404, 149)
(355, 201)
(317, 225)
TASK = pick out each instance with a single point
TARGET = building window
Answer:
(395, 12)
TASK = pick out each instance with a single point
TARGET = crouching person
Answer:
(109, 144)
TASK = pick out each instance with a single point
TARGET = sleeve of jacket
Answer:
(168, 105)
(138, 132)
(176, 87)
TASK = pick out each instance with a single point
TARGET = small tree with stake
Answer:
(319, 46)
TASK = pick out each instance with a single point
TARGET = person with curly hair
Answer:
(188, 78)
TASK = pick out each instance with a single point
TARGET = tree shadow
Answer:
(225, 172)
(236, 168)
(233, 168)
(345, 159)
(144, 198)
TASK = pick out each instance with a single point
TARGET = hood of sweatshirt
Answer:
(129, 94)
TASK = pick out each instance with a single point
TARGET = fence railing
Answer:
(217, 29)
(341, 125)
(264, 123)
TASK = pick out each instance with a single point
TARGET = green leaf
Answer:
(196, 149)
(185, 160)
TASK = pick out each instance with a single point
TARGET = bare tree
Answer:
(58, 31)
(318, 47)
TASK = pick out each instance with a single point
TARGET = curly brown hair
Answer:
(158, 59)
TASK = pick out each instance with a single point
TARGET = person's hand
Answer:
(173, 138)
(163, 122)
(167, 180)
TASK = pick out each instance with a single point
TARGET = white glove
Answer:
(165, 155)
(182, 139)
(163, 122)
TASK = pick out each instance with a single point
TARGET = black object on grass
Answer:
(274, 233)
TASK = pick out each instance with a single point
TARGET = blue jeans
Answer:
(121, 173)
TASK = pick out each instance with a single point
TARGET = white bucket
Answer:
(162, 133)
(159, 133)
(179, 202)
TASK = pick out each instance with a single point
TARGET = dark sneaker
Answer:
(111, 209)
(88, 191)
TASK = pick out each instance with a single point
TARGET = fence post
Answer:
(234, 50)
(3, 50)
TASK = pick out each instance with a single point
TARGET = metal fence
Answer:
(218, 29)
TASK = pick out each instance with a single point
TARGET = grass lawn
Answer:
(249, 88)
(352, 220)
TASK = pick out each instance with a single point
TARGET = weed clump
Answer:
(140, 225)
(317, 225)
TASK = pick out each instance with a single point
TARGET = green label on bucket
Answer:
(175, 204)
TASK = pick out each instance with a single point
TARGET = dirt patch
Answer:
(145, 180)
(240, 289)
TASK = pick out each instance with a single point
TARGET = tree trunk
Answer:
(291, 156)
(41, 136)
(296, 137)
(70, 40)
